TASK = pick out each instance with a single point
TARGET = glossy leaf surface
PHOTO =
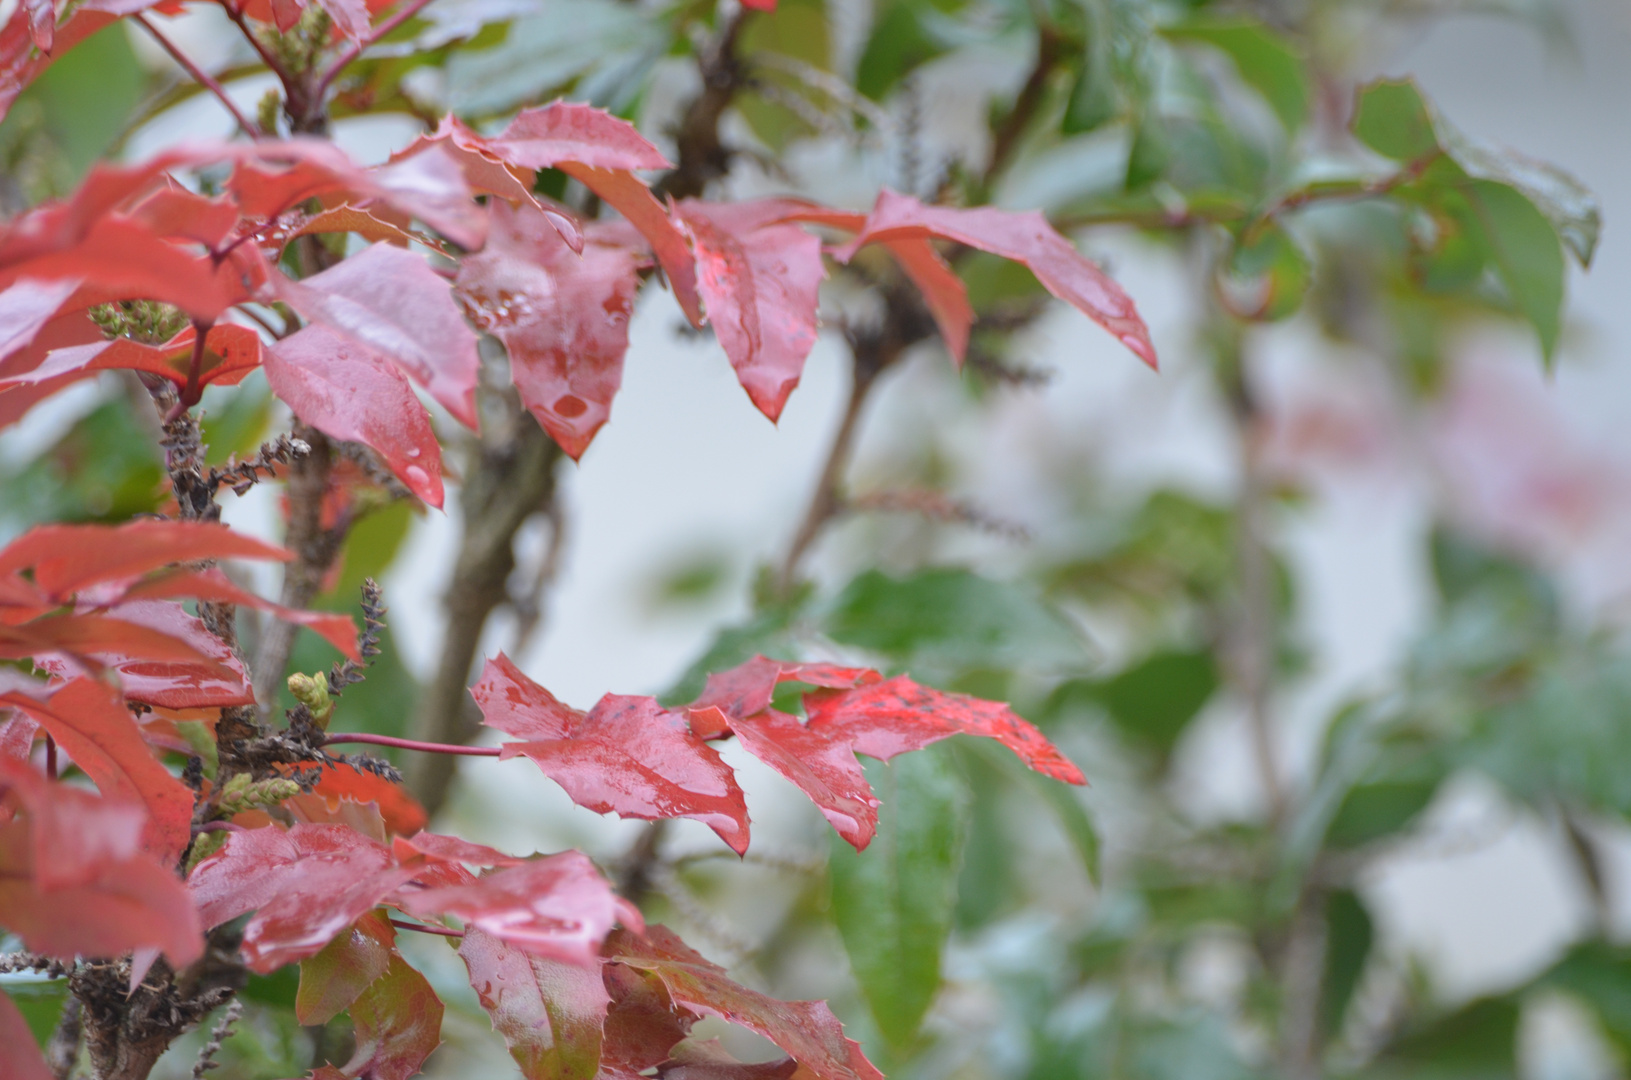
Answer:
(549, 1012)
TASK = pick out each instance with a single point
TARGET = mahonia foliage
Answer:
(207, 262)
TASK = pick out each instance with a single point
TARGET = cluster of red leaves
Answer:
(557, 294)
(633, 757)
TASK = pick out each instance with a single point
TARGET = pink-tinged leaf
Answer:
(230, 353)
(565, 131)
(563, 318)
(349, 219)
(391, 302)
(23, 1060)
(350, 17)
(762, 289)
(450, 849)
(898, 715)
(432, 188)
(90, 722)
(176, 212)
(169, 684)
(89, 636)
(1023, 237)
(348, 392)
(627, 756)
(943, 291)
(16, 741)
(487, 174)
(710, 1061)
(557, 907)
(75, 834)
(398, 1022)
(212, 586)
(308, 885)
(759, 5)
(806, 1030)
(26, 307)
(346, 966)
(747, 688)
(68, 558)
(549, 1013)
(824, 768)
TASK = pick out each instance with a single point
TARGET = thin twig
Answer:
(423, 928)
(221, 1033)
(268, 57)
(200, 76)
(355, 48)
(410, 744)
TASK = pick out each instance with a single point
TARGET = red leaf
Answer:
(943, 291)
(26, 307)
(400, 811)
(563, 318)
(747, 688)
(806, 1030)
(762, 287)
(488, 174)
(72, 879)
(565, 131)
(21, 63)
(89, 636)
(230, 353)
(176, 212)
(629, 196)
(550, 1013)
(68, 558)
(308, 885)
(1023, 237)
(557, 907)
(169, 684)
(642, 1025)
(898, 715)
(398, 1022)
(391, 302)
(348, 392)
(23, 1059)
(213, 586)
(450, 849)
(709, 1061)
(346, 966)
(823, 767)
(89, 721)
(350, 17)
(628, 756)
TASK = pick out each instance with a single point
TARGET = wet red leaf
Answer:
(66, 559)
(230, 353)
(823, 767)
(392, 303)
(399, 810)
(549, 1012)
(806, 1030)
(897, 715)
(564, 319)
(642, 1024)
(89, 721)
(1023, 237)
(347, 391)
(627, 756)
(762, 288)
(211, 585)
(556, 907)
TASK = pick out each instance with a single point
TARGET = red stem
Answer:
(411, 744)
(267, 56)
(423, 929)
(353, 50)
(190, 395)
(50, 757)
(200, 76)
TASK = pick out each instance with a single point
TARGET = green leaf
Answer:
(1093, 95)
(1599, 974)
(1154, 700)
(1372, 811)
(905, 35)
(1349, 935)
(1392, 118)
(88, 93)
(1477, 1040)
(953, 618)
(1266, 60)
(348, 965)
(40, 1003)
(1568, 204)
(893, 903)
(1526, 254)
(1270, 272)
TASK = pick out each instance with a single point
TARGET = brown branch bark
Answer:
(703, 157)
(511, 478)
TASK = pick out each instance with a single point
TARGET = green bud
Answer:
(312, 692)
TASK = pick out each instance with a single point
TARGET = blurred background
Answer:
(1345, 666)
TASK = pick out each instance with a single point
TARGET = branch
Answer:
(411, 744)
(355, 48)
(200, 76)
(62, 1051)
(702, 156)
(1049, 50)
(222, 1032)
(268, 57)
(402, 924)
(511, 478)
